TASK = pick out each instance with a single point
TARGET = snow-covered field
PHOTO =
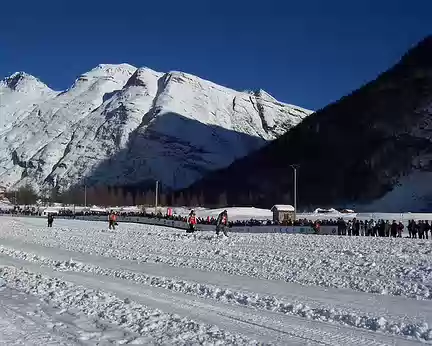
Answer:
(78, 283)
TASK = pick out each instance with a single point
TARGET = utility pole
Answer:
(156, 196)
(294, 167)
(85, 194)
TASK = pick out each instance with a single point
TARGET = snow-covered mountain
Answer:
(371, 150)
(121, 125)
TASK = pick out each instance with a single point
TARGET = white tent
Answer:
(50, 211)
(96, 209)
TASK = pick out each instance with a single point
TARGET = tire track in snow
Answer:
(265, 326)
(336, 314)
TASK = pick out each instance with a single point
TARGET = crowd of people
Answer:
(354, 227)
(380, 228)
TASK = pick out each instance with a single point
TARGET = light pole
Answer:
(294, 167)
(85, 194)
(156, 196)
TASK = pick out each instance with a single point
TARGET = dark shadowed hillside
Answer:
(353, 151)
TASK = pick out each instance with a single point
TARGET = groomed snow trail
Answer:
(271, 288)
(25, 320)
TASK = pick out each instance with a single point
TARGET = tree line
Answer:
(107, 196)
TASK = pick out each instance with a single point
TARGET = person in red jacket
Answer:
(112, 220)
(192, 221)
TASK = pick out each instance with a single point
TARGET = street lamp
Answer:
(156, 196)
(294, 167)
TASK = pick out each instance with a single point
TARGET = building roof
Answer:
(282, 207)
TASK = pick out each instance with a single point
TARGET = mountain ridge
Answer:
(352, 152)
(137, 119)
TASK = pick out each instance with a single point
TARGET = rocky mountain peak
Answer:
(121, 125)
(23, 82)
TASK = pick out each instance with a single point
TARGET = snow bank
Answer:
(372, 284)
(374, 265)
(154, 326)
(243, 298)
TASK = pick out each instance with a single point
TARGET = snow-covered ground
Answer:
(234, 213)
(81, 283)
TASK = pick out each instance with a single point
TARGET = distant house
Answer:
(347, 211)
(282, 212)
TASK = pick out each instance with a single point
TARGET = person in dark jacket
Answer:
(222, 223)
(410, 228)
(387, 227)
(421, 229)
(427, 229)
(381, 228)
(342, 227)
(50, 219)
(356, 227)
(400, 229)
(393, 229)
(414, 229)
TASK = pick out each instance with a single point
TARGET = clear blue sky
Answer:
(303, 52)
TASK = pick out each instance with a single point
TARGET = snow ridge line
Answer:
(151, 324)
(420, 331)
(401, 275)
(295, 269)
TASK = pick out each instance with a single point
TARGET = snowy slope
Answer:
(118, 124)
(161, 284)
(19, 95)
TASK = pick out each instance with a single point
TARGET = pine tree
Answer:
(287, 198)
(112, 198)
(194, 201)
(54, 195)
(149, 198)
(120, 196)
(180, 201)
(251, 198)
(222, 202)
(201, 199)
(163, 200)
(102, 195)
(25, 195)
(140, 198)
(91, 193)
(128, 199)
(76, 194)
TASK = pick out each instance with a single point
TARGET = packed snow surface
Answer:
(152, 284)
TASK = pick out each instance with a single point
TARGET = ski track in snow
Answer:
(267, 288)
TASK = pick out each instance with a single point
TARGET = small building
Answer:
(282, 212)
(347, 211)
